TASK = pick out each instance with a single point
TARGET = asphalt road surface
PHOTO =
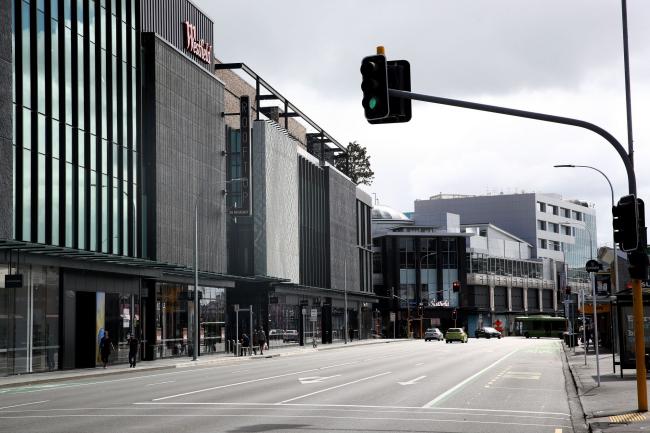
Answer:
(507, 385)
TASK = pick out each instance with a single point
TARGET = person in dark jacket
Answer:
(105, 348)
(261, 338)
(134, 346)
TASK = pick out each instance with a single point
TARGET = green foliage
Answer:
(355, 164)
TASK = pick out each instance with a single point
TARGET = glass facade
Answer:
(75, 170)
(29, 321)
(175, 318)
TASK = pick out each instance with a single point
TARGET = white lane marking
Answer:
(525, 389)
(419, 364)
(412, 381)
(315, 379)
(335, 387)
(272, 407)
(251, 381)
(558, 430)
(24, 404)
(238, 415)
(160, 383)
(469, 379)
(362, 406)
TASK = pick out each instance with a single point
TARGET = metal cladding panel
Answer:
(167, 18)
(6, 122)
(186, 144)
(275, 203)
(344, 256)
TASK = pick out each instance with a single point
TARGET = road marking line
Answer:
(252, 381)
(364, 406)
(412, 381)
(160, 383)
(335, 387)
(315, 379)
(464, 382)
(368, 418)
(24, 404)
(419, 364)
(558, 430)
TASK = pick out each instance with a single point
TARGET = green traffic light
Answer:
(372, 103)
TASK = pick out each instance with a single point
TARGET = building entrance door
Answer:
(86, 322)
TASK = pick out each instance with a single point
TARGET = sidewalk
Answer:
(612, 407)
(169, 363)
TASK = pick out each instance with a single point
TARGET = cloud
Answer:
(552, 56)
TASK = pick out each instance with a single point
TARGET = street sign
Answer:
(14, 281)
(592, 266)
(314, 315)
(392, 316)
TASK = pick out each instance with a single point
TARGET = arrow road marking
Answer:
(412, 381)
(334, 387)
(315, 379)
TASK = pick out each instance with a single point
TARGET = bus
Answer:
(540, 326)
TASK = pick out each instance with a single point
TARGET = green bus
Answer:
(540, 326)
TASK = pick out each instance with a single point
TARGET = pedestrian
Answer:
(134, 346)
(245, 342)
(589, 337)
(105, 348)
(261, 338)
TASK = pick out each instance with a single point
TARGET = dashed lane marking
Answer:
(24, 404)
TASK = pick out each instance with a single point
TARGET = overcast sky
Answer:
(562, 57)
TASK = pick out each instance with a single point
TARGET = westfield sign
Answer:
(199, 47)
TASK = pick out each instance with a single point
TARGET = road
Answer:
(507, 385)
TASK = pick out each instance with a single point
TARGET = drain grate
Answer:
(627, 418)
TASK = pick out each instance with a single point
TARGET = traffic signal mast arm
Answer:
(529, 115)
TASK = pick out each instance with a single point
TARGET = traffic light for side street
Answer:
(626, 223)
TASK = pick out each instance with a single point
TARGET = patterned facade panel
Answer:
(275, 203)
(187, 159)
(6, 120)
(344, 256)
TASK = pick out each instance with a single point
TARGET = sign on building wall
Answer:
(240, 163)
(200, 48)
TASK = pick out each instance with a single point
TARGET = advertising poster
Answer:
(99, 321)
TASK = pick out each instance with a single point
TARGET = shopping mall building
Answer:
(126, 147)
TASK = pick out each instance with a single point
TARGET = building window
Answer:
(554, 227)
(553, 209)
(541, 225)
(567, 230)
(542, 244)
(577, 216)
(566, 213)
(541, 206)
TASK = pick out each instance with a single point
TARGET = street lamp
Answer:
(612, 193)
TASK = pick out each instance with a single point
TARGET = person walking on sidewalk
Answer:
(261, 339)
(105, 348)
(134, 346)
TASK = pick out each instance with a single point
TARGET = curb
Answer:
(578, 417)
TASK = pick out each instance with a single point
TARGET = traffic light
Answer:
(455, 286)
(379, 75)
(454, 314)
(374, 84)
(626, 223)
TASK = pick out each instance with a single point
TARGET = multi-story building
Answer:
(118, 166)
(557, 229)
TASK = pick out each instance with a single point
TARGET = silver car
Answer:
(433, 334)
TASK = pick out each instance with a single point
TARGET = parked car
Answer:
(290, 335)
(455, 334)
(433, 334)
(276, 334)
(487, 332)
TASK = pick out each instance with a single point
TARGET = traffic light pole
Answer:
(637, 298)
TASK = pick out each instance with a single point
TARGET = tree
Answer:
(355, 164)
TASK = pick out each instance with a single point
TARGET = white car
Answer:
(433, 334)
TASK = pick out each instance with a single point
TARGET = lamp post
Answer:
(593, 296)
(611, 189)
